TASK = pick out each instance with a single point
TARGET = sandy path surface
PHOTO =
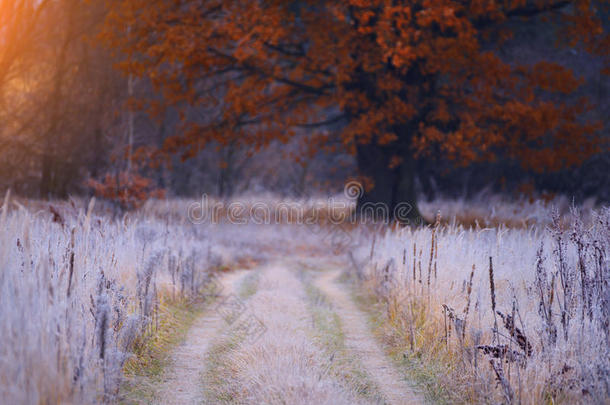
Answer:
(360, 340)
(182, 382)
(283, 366)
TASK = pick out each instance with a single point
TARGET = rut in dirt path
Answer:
(361, 342)
(285, 366)
(182, 382)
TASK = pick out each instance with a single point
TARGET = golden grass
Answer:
(411, 337)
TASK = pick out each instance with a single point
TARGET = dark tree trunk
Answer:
(97, 154)
(46, 180)
(392, 197)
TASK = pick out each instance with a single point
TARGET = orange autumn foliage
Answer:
(402, 74)
(129, 190)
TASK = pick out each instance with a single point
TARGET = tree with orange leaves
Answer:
(390, 78)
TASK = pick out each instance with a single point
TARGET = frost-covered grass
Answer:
(80, 290)
(491, 210)
(539, 333)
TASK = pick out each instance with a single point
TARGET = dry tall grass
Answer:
(510, 315)
(80, 289)
(79, 292)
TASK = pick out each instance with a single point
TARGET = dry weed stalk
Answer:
(414, 258)
(492, 291)
(468, 293)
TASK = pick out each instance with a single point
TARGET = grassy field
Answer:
(477, 308)
(498, 314)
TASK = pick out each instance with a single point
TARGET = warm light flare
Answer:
(19, 28)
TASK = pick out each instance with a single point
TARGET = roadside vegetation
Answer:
(88, 299)
(143, 370)
(488, 315)
(92, 305)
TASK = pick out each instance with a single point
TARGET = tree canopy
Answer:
(390, 78)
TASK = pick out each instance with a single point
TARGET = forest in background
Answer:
(66, 118)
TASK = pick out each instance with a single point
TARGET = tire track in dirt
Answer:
(361, 342)
(284, 366)
(182, 382)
